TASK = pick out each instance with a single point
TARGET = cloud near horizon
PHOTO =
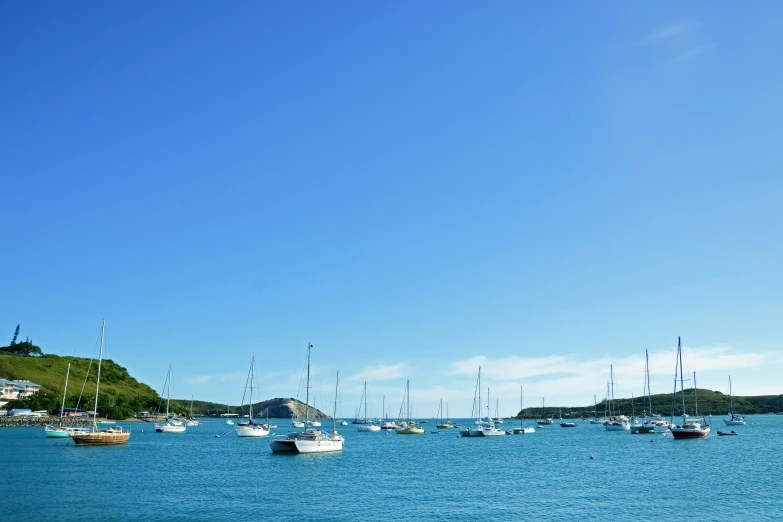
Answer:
(570, 376)
(380, 372)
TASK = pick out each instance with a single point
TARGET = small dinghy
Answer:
(725, 433)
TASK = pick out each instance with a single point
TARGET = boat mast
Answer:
(682, 381)
(731, 397)
(334, 413)
(595, 408)
(647, 370)
(252, 377)
(62, 408)
(488, 417)
(611, 379)
(307, 388)
(98, 380)
(695, 395)
(520, 404)
(478, 413)
(408, 400)
(168, 395)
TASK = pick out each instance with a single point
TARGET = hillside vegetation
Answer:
(120, 396)
(709, 403)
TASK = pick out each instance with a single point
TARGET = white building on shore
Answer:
(17, 389)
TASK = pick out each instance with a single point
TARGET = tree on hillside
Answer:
(16, 334)
(25, 349)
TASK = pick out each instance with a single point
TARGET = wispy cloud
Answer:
(569, 375)
(691, 53)
(198, 379)
(381, 372)
(663, 33)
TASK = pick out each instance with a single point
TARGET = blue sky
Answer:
(415, 189)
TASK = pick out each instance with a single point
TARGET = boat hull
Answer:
(100, 438)
(170, 428)
(410, 431)
(618, 427)
(56, 433)
(641, 429)
(688, 433)
(734, 422)
(319, 446)
(367, 427)
(251, 431)
(305, 446)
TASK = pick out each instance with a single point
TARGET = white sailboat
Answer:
(735, 419)
(408, 427)
(690, 429)
(60, 431)
(521, 430)
(192, 421)
(310, 440)
(595, 419)
(97, 437)
(483, 427)
(615, 422)
(250, 428)
(171, 426)
(545, 421)
(369, 426)
(444, 424)
(498, 420)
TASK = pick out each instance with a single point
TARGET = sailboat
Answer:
(96, 436)
(192, 421)
(250, 428)
(229, 422)
(368, 426)
(688, 429)
(545, 420)
(443, 424)
(615, 422)
(735, 419)
(408, 427)
(521, 430)
(171, 426)
(483, 427)
(498, 420)
(595, 419)
(61, 431)
(387, 423)
(310, 440)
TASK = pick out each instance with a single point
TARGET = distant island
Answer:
(709, 403)
(277, 408)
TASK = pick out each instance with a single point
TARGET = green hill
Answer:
(709, 402)
(121, 395)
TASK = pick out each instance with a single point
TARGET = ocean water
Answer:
(436, 476)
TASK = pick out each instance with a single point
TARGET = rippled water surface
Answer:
(436, 476)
